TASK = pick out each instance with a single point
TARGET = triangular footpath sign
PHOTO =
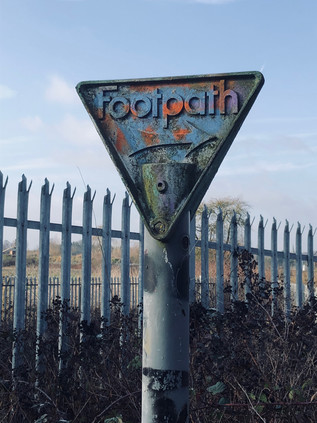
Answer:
(168, 136)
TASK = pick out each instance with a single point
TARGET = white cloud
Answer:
(262, 167)
(77, 131)
(59, 91)
(14, 140)
(32, 123)
(6, 92)
(31, 164)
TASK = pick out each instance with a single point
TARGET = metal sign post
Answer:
(167, 138)
(166, 327)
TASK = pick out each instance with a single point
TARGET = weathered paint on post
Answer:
(106, 259)
(19, 286)
(44, 249)
(2, 197)
(165, 380)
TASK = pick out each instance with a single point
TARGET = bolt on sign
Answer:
(168, 136)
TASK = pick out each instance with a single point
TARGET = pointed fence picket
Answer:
(25, 298)
(2, 195)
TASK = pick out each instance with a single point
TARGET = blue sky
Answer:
(48, 46)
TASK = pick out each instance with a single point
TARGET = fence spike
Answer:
(28, 190)
(53, 186)
(1, 180)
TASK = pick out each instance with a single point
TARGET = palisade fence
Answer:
(215, 280)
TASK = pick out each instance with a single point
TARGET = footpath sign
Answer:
(188, 121)
(167, 138)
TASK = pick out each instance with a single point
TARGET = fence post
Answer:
(65, 274)
(247, 247)
(310, 264)
(44, 246)
(261, 261)
(141, 274)
(274, 272)
(234, 258)
(219, 264)
(106, 259)
(125, 256)
(299, 267)
(287, 274)
(19, 287)
(2, 196)
(204, 287)
(192, 260)
(86, 259)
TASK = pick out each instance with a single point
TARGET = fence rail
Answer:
(218, 266)
(54, 293)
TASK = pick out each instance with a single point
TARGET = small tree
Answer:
(228, 206)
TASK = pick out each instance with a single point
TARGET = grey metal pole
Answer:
(63, 341)
(247, 247)
(192, 262)
(261, 260)
(106, 260)
(2, 196)
(310, 264)
(86, 251)
(19, 286)
(299, 267)
(287, 275)
(204, 283)
(44, 247)
(274, 267)
(234, 258)
(165, 393)
(220, 305)
(125, 256)
(141, 275)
